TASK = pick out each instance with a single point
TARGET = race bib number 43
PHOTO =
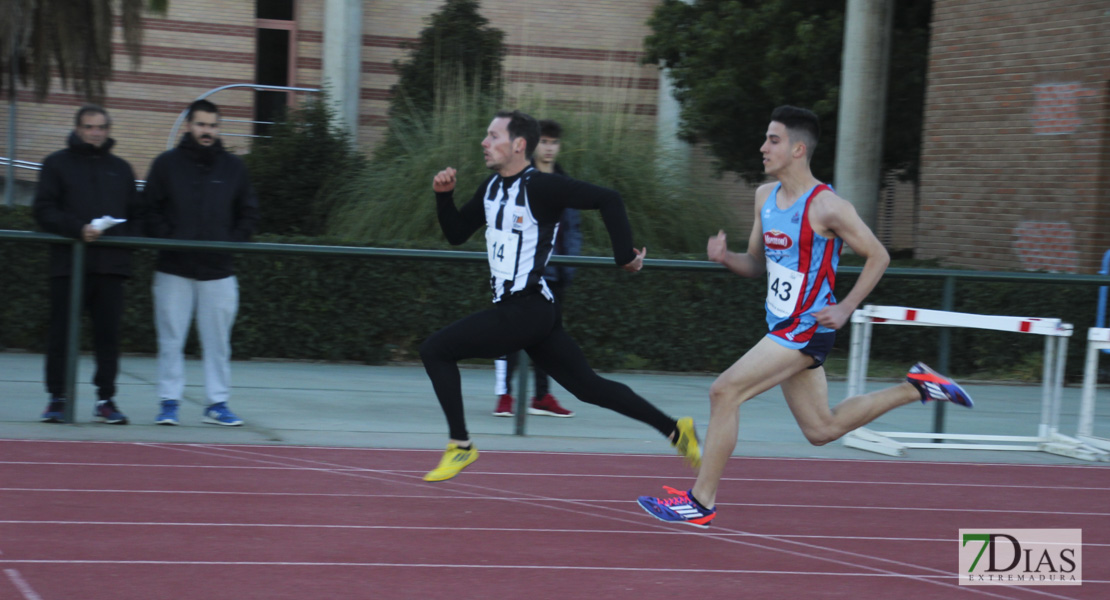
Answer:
(783, 286)
(501, 249)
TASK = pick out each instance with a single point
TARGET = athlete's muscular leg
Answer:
(807, 394)
(766, 365)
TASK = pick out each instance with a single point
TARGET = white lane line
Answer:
(481, 566)
(550, 475)
(662, 456)
(20, 584)
(605, 532)
(170, 466)
(851, 560)
(528, 498)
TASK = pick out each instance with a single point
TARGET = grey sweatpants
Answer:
(215, 303)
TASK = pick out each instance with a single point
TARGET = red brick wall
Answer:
(1014, 159)
(197, 46)
(572, 51)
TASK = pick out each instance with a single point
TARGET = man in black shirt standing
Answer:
(78, 185)
(520, 208)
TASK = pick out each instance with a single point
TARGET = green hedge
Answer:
(375, 310)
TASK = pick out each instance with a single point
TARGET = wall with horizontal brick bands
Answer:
(192, 27)
(1017, 135)
(578, 54)
(197, 46)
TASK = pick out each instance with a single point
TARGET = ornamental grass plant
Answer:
(391, 199)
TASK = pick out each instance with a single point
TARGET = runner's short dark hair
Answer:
(522, 125)
(802, 124)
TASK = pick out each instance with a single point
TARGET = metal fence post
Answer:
(521, 392)
(73, 326)
(13, 68)
(945, 342)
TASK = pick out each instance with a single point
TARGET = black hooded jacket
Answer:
(82, 183)
(196, 192)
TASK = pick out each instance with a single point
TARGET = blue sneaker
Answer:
(168, 415)
(934, 386)
(220, 414)
(680, 508)
(106, 411)
(55, 411)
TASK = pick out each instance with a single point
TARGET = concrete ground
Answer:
(392, 406)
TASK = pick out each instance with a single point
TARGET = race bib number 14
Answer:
(501, 249)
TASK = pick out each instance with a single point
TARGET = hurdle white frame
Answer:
(1098, 339)
(1048, 438)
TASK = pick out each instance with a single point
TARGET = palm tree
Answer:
(70, 38)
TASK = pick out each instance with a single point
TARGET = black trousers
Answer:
(103, 299)
(542, 385)
(530, 323)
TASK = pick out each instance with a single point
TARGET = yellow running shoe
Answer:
(686, 442)
(455, 459)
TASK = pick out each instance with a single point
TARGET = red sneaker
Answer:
(548, 406)
(504, 406)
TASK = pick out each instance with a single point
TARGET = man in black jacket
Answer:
(83, 182)
(198, 191)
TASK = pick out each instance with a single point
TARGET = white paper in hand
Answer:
(105, 222)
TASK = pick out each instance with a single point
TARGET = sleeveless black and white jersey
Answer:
(521, 214)
(518, 246)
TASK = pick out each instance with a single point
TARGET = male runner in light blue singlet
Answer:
(800, 227)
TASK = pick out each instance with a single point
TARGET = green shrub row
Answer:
(375, 310)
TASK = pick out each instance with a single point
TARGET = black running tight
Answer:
(533, 324)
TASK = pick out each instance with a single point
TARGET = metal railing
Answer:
(172, 140)
(948, 277)
(20, 164)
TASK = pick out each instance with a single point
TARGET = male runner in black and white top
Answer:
(568, 241)
(520, 208)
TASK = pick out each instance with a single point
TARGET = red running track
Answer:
(138, 521)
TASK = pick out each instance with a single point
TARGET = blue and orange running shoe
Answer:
(679, 508)
(934, 386)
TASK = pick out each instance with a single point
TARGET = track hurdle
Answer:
(895, 443)
(1098, 339)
